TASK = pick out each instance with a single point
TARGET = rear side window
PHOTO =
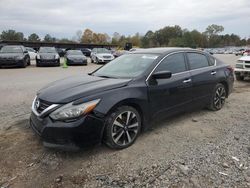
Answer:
(197, 60)
(211, 60)
(174, 63)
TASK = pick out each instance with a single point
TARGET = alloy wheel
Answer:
(125, 128)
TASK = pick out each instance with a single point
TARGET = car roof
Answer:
(161, 50)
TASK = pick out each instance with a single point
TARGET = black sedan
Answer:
(14, 55)
(124, 97)
(75, 57)
(47, 56)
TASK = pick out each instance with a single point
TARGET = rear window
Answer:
(197, 60)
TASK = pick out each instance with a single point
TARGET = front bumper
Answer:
(11, 63)
(76, 62)
(83, 132)
(104, 60)
(48, 62)
(242, 72)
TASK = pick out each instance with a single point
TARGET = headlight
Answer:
(38, 56)
(57, 56)
(70, 111)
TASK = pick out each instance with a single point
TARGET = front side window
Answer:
(174, 63)
(197, 60)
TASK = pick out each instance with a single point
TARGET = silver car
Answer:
(101, 55)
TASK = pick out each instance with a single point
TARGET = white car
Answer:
(101, 55)
(32, 53)
(242, 68)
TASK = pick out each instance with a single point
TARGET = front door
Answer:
(167, 96)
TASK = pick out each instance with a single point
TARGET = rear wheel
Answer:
(239, 77)
(122, 127)
(218, 98)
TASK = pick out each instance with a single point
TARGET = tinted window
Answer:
(197, 60)
(211, 60)
(174, 63)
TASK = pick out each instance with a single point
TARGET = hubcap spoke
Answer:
(128, 117)
(118, 124)
(119, 136)
(133, 125)
(128, 136)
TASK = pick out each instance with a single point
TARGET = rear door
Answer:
(203, 75)
(167, 96)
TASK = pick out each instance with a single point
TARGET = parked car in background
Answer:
(14, 55)
(124, 97)
(242, 68)
(101, 55)
(86, 51)
(47, 56)
(75, 57)
(239, 52)
(246, 52)
(32, 53)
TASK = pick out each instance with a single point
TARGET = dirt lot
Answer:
(198, 149)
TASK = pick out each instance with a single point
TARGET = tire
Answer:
(122, 127)
(218, 98)
(239, 77)
(24, 64)
(28, 61)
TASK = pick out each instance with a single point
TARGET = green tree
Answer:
(12, 35)
(34, 38)
(48, 38)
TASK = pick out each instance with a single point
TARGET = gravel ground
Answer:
(198, 149)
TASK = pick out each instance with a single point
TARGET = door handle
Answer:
(187, 81)
(213, 73)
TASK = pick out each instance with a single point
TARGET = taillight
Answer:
(230, 69)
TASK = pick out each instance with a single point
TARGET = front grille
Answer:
(106, 56)
(248, 62)
(247, 66)
(42, 106)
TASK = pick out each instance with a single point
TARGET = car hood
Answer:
(245, 58)
(10, 55)
(48, 55)
(73, 88)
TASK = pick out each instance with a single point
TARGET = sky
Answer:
(62, 18)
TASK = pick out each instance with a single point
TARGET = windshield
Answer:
(74, 52)
(11, 49)
(47, 50)
(102, 50)
(126, 66)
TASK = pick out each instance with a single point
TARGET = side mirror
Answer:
(162, 75)
(25, 51)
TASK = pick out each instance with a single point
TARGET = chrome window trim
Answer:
(44, 111)
(215, 64)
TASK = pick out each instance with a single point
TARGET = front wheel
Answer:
(122, 127)
(218, 98)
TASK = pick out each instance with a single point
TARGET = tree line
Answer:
(168, 36)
